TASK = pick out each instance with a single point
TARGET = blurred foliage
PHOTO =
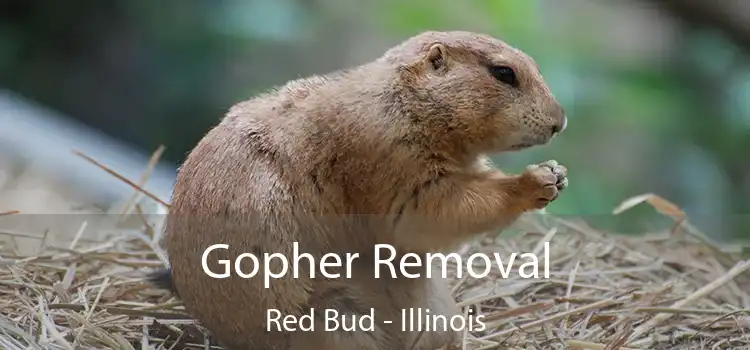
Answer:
(164, 72)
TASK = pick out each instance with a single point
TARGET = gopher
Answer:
(394, 151)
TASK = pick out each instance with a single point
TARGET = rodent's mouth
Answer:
(528, 141)
(520, 146)
(532, 141)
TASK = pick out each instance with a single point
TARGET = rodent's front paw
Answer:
(542, 183)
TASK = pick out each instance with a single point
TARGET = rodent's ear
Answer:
(436, 57)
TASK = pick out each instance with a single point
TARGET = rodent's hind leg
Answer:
(435, 298)
(334, 340)
(347, 307)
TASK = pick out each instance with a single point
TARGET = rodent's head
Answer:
(478, 90)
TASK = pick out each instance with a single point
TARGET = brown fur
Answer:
(393, 152)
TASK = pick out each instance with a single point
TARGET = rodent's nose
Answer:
(560, 127)
(562, 121)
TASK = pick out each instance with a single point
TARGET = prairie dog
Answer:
(390, 152)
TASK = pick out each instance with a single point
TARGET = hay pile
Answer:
(660, 291)
(667, 291)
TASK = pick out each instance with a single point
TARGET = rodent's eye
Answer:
(504, 74)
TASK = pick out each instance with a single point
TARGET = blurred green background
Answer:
(657, 92)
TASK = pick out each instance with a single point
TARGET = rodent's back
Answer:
(232, 193)
(280, 168)
(230, 190)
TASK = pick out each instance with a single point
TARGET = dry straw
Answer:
(658, 291)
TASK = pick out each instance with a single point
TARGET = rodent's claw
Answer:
(544, 182)
(550, 163)
(560, 172)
